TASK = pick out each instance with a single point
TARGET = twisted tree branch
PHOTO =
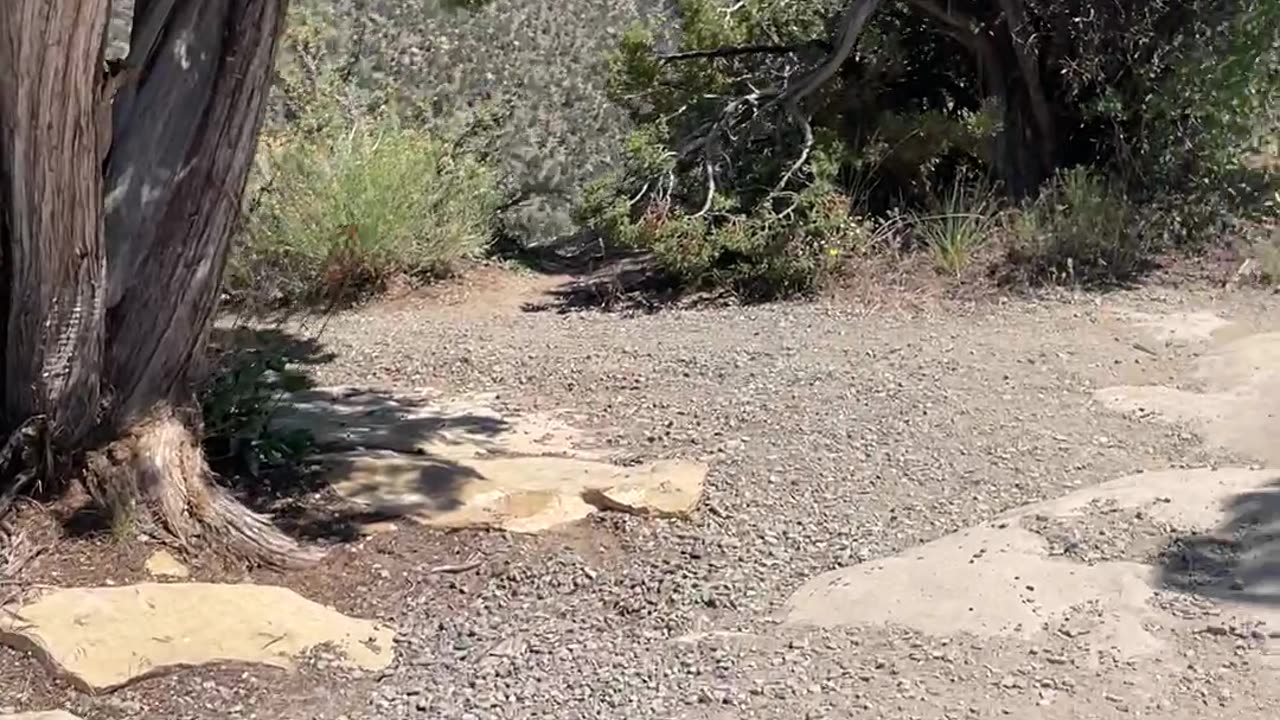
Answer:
(737, 50)
(789, 97)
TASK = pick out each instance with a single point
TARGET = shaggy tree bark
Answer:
(120, 193)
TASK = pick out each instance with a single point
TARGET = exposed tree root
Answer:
(19, 464)
(157, 474)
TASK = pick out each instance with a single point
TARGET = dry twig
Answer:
(453, 569)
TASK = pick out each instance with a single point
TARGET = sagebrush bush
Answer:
(1267, 252)
(1081, 229)
(340, 212)
(541, 62)
(1266, 246)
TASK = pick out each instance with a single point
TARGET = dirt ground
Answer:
(835, 436)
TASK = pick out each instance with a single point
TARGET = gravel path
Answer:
(834, 437)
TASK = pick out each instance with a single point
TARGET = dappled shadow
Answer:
(346, 423)
(347, 418)
(321, 428)
(303, 351)
(578, 254)
(625, 284)
(319, 515)
(1237, 562)
(602, 278)
(232, 368)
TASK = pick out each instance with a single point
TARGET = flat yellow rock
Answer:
(519, 494)
(104, 638)
(460, 462)
(162, 563)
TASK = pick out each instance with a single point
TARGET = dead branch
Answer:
(852, 21)
(453, 569)
(738, 50)
(789, 97)
(798, 117)
(711, 186)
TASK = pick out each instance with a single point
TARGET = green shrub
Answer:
(341, 211)
(237, 403)
(761, 256)
(1266, 247)
(789, 246)
(962, 221)
(1162, 98)
(1081, 229)
(1268, 254)
(542, 62)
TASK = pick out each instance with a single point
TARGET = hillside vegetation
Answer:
(759, 145)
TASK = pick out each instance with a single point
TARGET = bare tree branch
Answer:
(736, 50)
(854, 18)
(711, 185)
(793, 110)
(789, 96)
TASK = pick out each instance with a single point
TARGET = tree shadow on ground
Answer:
(304, 506)
(602, 278)
(295, 491)
(625, 284)
(1239, 561)
(302, 351)
(350, 423)
(577, 254)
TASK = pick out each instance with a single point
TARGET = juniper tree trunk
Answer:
(119, 196)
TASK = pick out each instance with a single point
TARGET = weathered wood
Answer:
(183, 146)
(50, 203)
(111, 285)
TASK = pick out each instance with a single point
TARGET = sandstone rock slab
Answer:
(519, 494)
(1175, 329)
(162, 563)
(1235, 401)
(47, 715)
(459, 462)
(1002, 578)
(104, 638)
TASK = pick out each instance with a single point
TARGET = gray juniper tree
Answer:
(121, 187)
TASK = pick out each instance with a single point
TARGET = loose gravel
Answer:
(834, 437)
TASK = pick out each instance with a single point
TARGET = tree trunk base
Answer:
(157, 475)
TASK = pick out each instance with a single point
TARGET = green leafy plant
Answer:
(788, 247)
(1161, 98)
(1081, 229)
(343, 212)
(1266, 246)
(959, 224)
(237, 405)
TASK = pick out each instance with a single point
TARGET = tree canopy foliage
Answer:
(754, 117)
